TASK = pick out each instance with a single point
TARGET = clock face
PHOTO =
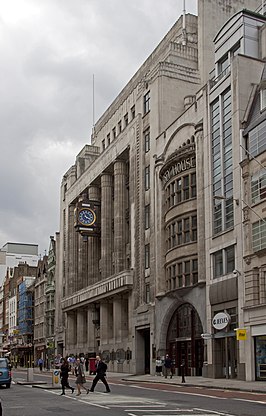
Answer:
(86, 216)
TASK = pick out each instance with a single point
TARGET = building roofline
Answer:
(243, 11)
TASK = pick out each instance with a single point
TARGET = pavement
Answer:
(220, 383)
(200, 382)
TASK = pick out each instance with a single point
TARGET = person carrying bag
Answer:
(101, 369)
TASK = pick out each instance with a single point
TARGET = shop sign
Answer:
(220, 320)
(241, 334)
(177, 168)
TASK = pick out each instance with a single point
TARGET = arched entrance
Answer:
(184, 342)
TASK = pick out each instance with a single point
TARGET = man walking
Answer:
(101, 368)
(40, 363)
(167, 366)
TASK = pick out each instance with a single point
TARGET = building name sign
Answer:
(220, 320)
(177, 168)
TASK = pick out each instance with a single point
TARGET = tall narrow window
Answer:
(186, 187)
(147, 140)
(147, 216)
(263, 100)
(114, 132)
(126, 119)
(222, 163)
(147, 256)
(146, 102)
(147, 178)
(133, 112)
(147, 293)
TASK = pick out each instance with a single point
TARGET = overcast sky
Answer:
(50, 50)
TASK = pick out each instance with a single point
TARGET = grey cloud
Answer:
(49, 53)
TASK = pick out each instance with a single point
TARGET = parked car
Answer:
(5, 373)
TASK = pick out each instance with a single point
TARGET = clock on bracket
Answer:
(86, 216)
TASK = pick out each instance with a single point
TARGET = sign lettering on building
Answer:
(221, 320)
(177, 168)
(241, 334)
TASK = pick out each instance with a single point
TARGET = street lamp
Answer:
(222, 197)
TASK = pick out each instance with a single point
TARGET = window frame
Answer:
(220, 260)
(147, 209)
(146, 102)
(147, 140)
(147, 256)
(147, 180)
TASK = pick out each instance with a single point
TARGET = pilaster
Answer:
(93, 245)
(91, 343)
(72, 256)
(106, 225)
(120, 308)
(81, 327)
(71, 334)
(106, 323)
(119, 216)
(200, 201)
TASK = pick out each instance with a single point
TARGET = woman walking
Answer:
(80, 374)
(64, 370)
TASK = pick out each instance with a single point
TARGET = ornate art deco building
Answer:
(147, 250)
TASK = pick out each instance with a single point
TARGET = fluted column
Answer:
(71, 257)
(81, 327)
(104, 323)
(119, 216)
(106, 225)
(200, 201)
(91, 342)
(71, 333)
(93, 244)
(159, 243)
(82, 269)
(120, 308)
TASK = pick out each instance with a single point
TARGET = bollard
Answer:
(30, 374)
(55, 375)
(183, 372)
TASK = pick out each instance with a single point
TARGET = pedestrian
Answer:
(101, 369)
(40, 363)
(80, 377)
(72, 363)
(87, 364)
(183, 371)
(64, 370)
(159, 366)
(167, 366)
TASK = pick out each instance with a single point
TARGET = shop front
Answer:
(260, 357)
(184, 342)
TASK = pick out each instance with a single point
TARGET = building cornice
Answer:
(120, 283)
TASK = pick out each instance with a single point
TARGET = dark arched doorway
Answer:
(184, 342)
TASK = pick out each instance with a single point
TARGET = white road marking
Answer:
(213, 411)
(247, 400)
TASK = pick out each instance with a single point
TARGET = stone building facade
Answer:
(40, 284)
(149, 237)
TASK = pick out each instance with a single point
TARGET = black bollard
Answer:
(183, 372)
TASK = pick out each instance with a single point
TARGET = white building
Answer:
(11, 254)
(151, 235)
